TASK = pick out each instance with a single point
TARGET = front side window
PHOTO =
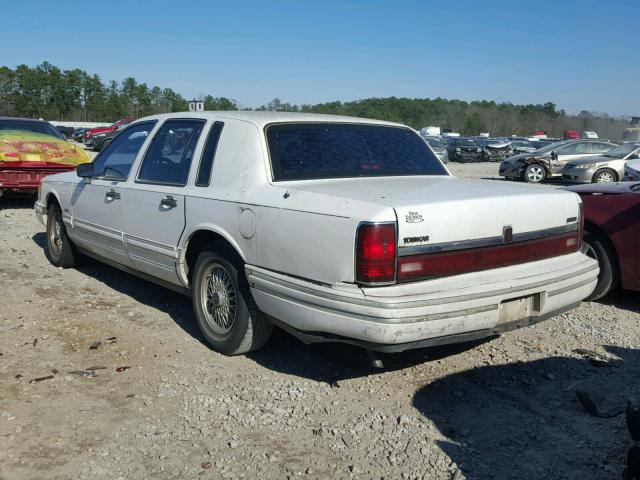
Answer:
(168, 159)
(115, 161)
(305, 151)
(569, 149)
(550, 147)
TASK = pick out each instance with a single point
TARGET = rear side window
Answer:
(583, 148)
(208, 154)
(168, 159)
(115, 161)
(342, 150)
(600, 147)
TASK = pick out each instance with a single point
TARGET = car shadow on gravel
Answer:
(325, 362)
(523, 420)
(174, 304)
(15, 201)
(333, 362)
(622, 299)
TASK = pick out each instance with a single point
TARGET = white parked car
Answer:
(334, 228)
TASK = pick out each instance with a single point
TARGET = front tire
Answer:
(60, 251)
(604, 176)
(534, 173)
(223, 305)
(598, 247)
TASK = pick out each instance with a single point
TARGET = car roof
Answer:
(261, 119)
(21, 119)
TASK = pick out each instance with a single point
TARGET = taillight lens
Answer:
(580, 225)
(376, 253)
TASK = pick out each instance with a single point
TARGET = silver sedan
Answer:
(605, 168)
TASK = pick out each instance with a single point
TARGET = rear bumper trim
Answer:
(319, 337)
(424, 311)
(486, 242)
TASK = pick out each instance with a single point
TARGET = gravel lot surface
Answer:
(105, 376)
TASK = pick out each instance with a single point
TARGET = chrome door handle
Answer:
(112, 195)
(168, 202)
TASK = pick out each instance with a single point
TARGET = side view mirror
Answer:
(554, 155)
(85, 170)
(635, 156)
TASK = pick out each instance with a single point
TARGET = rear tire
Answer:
(598, 247)
(60, 251)
(605, 175)
(223, 305)
(534, 173)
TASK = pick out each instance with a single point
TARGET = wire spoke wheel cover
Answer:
(219, 298)
(55, 235)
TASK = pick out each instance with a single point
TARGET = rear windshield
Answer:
(27, 126)
(325, 150)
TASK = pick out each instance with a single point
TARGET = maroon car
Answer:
(612, 233)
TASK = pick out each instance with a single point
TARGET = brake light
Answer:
(376, 253)
(580, 225)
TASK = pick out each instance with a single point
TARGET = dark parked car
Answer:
(612, 233)
(66, 132)
(464, 149)
(78, 133)
(100, 140)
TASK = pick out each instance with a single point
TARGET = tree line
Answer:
(46, 91)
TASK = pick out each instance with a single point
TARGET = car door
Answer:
(96, 203)
(568, 152)
(154, 210)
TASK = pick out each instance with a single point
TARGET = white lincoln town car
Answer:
(332, 228)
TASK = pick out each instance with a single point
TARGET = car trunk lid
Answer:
(442, 214)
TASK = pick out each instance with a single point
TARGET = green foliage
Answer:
(47, 92)
(469, 118)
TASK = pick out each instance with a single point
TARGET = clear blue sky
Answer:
(577, 54)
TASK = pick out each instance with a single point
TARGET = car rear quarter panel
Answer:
(276, 226)
(312, 235)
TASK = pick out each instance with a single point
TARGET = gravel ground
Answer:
(105, 376)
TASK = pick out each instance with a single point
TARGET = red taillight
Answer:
(376, 253)
(580, 225)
